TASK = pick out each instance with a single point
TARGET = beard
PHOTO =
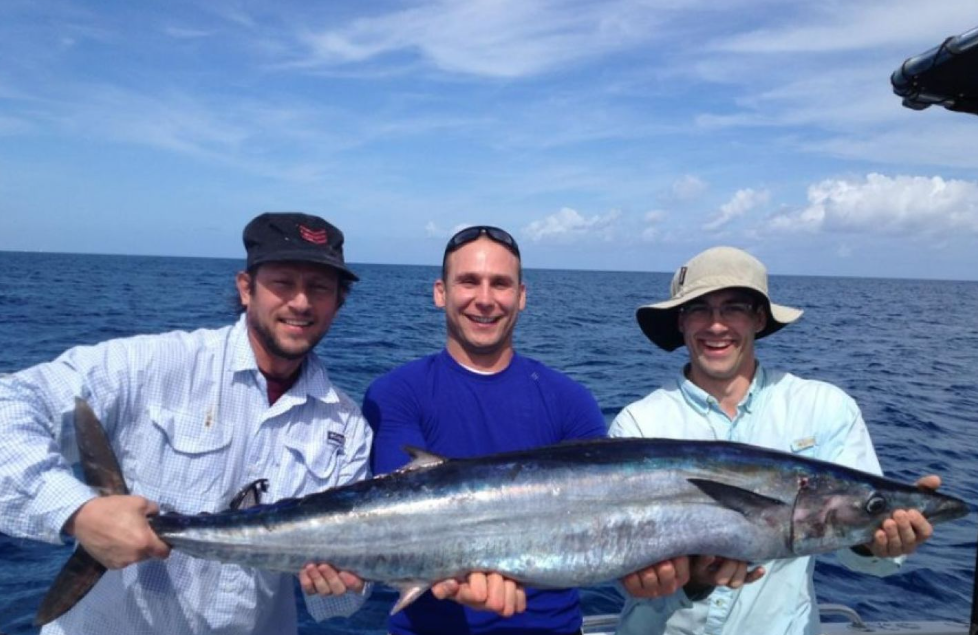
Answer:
(272, 345)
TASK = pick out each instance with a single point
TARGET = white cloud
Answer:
(688, 187)
(836, 101)
(822, 69)
(907, 205)
(568, 225)
(13, 125)
(934, 138)
(742, 202)
(848, 26)
(498, 38)
(181, 33)
(653, 218)
(433, 230)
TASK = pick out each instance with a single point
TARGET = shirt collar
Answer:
(759, 381)
(462, 368)
(700, 400)
(313, 380)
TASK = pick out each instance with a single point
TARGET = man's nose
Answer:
(300, 299)
(484, 294)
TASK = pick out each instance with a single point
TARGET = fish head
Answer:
(837, 508)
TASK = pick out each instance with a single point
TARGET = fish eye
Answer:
(876, 504)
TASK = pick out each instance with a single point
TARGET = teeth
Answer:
(482, 320)
(297, 323)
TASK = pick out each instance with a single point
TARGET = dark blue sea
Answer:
(907, 350)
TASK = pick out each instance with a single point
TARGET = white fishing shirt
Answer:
(188, 417)
(782, 412)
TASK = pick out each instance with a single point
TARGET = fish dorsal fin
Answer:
(249, 495)
(738, 499)
(421, 458)
(410, 591)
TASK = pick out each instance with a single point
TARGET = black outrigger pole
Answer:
(945, 75)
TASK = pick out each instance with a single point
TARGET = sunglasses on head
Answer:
(469, 234)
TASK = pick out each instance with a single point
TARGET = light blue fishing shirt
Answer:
(188, 417)
(782, 412)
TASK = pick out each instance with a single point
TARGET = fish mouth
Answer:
(948, 508)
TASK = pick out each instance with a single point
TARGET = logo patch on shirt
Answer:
(336, 437)
(802, 444)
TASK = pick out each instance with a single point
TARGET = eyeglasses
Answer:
(469, 234)
(729, 311)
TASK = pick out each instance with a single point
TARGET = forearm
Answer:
(40, 492)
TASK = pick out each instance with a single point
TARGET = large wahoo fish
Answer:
(562, 516)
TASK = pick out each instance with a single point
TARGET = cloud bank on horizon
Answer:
(605, 134)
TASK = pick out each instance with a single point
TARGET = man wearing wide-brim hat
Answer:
(718, 306)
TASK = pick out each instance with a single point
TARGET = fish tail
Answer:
(101, 470)
(74, 581)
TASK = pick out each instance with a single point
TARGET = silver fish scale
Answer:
(563, 516)
(579, 524)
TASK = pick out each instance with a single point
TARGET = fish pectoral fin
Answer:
(410, 591)
(738, 499)
(420, 458)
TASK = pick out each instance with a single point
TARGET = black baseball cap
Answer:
(295, 237)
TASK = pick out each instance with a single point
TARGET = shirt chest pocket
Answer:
(316, 453)
(185, 460)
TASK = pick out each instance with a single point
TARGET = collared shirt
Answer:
(188, 417)
(782, 412)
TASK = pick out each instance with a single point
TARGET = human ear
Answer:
(243, 282)
(438, 294)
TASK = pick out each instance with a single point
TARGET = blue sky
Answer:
(613, 134)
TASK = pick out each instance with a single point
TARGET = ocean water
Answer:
(907, 350)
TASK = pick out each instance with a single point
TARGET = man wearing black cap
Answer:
(718, 307)
(194, 417)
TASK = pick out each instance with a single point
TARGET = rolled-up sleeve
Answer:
(40, 491)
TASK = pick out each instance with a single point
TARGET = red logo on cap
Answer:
(317, 236)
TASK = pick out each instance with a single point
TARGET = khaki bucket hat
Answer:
(712, 270)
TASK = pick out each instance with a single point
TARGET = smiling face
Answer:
(290, 307)
(718, 330)
(482, 295)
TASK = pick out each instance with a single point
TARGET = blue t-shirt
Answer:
(436, 404)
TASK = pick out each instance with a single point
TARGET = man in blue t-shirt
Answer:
(477, 397)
